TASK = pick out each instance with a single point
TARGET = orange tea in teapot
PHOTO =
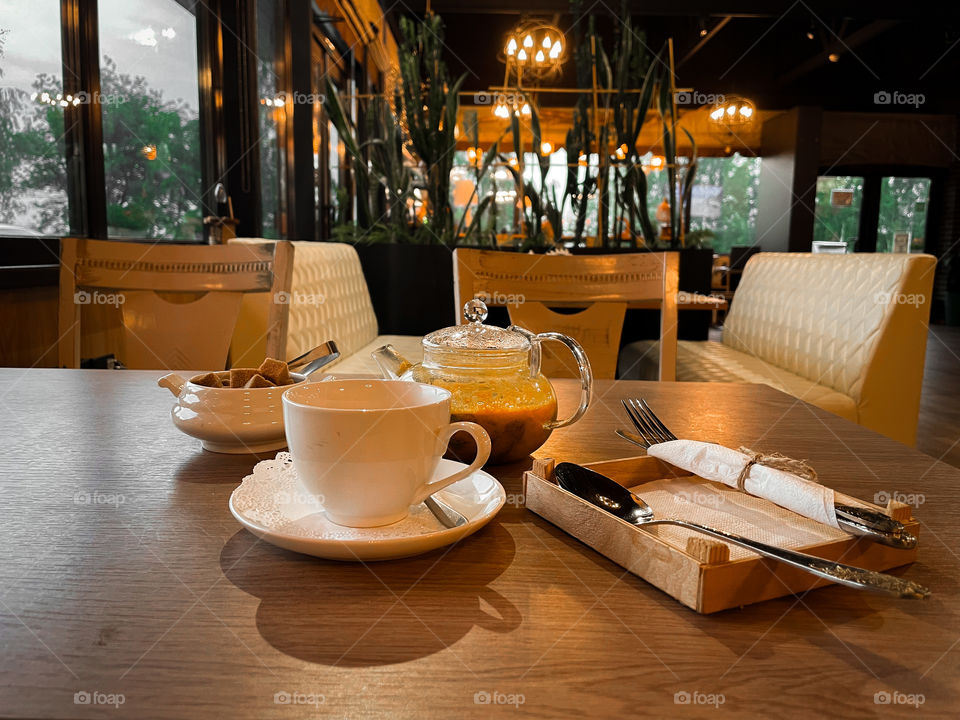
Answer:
(517, 416)
(494, 377)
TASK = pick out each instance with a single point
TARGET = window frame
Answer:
(33, 260)
(226, 32)
(870, 207)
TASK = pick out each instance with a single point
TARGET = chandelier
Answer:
(733, 111)
(535, 48)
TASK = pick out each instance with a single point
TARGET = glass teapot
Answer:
(494, 376)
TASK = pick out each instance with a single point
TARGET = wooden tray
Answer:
(701, 575)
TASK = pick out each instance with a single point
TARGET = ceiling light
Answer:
(537, 48)
(733, 111)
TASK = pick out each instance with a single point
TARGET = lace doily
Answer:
(273, 498)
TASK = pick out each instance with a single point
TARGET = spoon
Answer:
(447, 516)
(609, 495)
(313, 360)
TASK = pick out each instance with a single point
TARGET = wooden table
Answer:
(124, 573)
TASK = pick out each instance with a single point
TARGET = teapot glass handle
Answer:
(586, 376)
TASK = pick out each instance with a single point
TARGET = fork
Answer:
(877, 526)
(652, 431)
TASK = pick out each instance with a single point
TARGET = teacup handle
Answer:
(483, 454)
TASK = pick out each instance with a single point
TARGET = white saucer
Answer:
(271, 504)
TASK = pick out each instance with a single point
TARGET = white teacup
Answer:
(369, 448)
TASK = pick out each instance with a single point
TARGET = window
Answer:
(723, 207)
(724, 201)
(903, 214)
(331, 201)
(33, 171)
(837, 210)
(149, 104)
(118, 118)
(272, 118)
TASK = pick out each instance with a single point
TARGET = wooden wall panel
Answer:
(28, 328)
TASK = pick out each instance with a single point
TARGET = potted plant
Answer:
(406, 260)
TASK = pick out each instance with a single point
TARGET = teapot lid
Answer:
(474, 335)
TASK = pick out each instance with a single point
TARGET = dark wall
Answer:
(887, 139)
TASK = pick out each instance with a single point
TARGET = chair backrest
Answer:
(179, 303)
(856, 323)
(520, 280)
(328, 300)
(597, 329)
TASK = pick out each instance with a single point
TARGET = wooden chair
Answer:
(179, 303)
(603, 284)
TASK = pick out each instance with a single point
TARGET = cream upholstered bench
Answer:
(847, 333)
(328, 300)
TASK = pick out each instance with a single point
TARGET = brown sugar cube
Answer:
(276, 370)
(210, 379)
(258, 381)
(240, 376)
